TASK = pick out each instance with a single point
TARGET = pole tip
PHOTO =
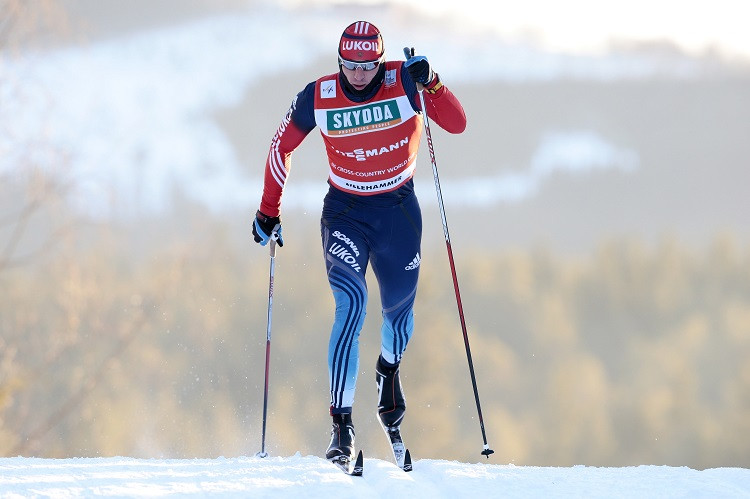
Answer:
(487, 451)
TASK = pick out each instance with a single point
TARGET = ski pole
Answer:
(272, 246)
(486, 451)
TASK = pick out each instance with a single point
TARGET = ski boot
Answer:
(341, 449)
(391, 403)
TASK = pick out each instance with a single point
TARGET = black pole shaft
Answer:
(486, 451)
(265, 401)
(272, 244)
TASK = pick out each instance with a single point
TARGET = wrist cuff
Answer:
(263, 217)
(434, 85)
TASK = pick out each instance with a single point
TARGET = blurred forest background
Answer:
(145, 336)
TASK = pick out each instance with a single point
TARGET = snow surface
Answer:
(312, 477)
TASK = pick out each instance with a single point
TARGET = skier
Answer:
(370, 117)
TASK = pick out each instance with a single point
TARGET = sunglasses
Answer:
(365, 66)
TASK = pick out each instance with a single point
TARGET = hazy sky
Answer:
(587, 25)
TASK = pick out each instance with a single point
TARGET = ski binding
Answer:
(400, 452)
(344, 464)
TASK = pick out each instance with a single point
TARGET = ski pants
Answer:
(386, 232)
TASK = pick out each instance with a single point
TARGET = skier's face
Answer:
(358, 77)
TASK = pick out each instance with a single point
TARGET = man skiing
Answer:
(370, 117)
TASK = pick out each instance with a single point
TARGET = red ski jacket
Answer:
(371, 143)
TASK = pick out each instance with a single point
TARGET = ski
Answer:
(400, 452)
(344, 464)
(359, 465)
(407, 462)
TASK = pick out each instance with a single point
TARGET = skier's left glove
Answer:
(420, 70)
(265, 227)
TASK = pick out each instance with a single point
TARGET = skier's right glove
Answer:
(265, 227)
